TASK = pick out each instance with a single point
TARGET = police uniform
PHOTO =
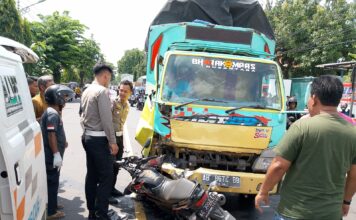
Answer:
(51, 122)
(98, 134)
(119, 113)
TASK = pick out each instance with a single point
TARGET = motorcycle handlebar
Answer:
(139, 162)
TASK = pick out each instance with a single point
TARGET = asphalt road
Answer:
(72, 195)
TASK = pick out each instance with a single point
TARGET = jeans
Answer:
(98, 181)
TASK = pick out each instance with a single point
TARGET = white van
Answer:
(23, 185)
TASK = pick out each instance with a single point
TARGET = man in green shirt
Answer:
(318, 156)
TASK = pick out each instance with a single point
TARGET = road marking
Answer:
(127, 141)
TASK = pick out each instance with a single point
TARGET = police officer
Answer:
(99, 142)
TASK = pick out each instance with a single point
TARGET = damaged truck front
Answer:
(215, 103)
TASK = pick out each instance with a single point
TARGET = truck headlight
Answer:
(262, 163)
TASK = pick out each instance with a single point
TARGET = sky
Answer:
(117, 25)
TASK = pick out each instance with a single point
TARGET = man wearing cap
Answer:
(99, 142)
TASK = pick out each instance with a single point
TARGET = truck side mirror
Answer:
(159, 61)
(147, 143)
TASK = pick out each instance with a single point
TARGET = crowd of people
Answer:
(102, 120)
(316, 156)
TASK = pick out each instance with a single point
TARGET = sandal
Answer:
(56, 215)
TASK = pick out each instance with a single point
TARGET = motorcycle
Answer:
(185, 199)
(140, 102)
(132, 100)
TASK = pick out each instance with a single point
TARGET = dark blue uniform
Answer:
(51, 122)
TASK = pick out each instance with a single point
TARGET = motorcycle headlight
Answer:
(262, 163)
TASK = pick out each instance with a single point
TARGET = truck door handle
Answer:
(17, 173)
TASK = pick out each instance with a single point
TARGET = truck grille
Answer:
(186, 158)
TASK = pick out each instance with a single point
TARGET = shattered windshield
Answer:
(232, 82)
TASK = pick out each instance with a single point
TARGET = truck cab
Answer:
(215, 104)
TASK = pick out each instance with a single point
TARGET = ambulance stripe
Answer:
(23, 125)
(28, 135)
(21, 210)
(38, 144)
(28, 178)
(34, 185)
(15, 197)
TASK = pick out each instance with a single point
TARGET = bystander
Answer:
(318, 156)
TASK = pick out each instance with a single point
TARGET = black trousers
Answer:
(98, 181)
(52, 187)
(120, 144)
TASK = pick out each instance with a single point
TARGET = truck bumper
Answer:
(226, 181)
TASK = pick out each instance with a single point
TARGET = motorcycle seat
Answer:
(177, 189)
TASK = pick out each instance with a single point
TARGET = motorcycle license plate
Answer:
(221, 180)
(208, 206)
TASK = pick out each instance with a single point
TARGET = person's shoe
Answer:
(60, 206)
(113, 201)
(116, 193)
(101, 217)
(104, 217)
(56, 215)
(113, 215)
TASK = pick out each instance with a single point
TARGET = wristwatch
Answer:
(347, 202)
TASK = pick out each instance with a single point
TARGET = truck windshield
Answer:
(233, 82)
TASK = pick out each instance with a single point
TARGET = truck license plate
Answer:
(221, 180)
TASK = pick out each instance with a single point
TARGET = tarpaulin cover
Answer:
(237, 13)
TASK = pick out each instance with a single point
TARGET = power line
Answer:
(301, 30)
(322, 45)
(26, 9)
(330, 34)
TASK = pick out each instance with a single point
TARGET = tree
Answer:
(41, 67)
(60, 37)
(133, 62)
(10, 21)
(90, 54)
(70, 75)
(311, 32)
